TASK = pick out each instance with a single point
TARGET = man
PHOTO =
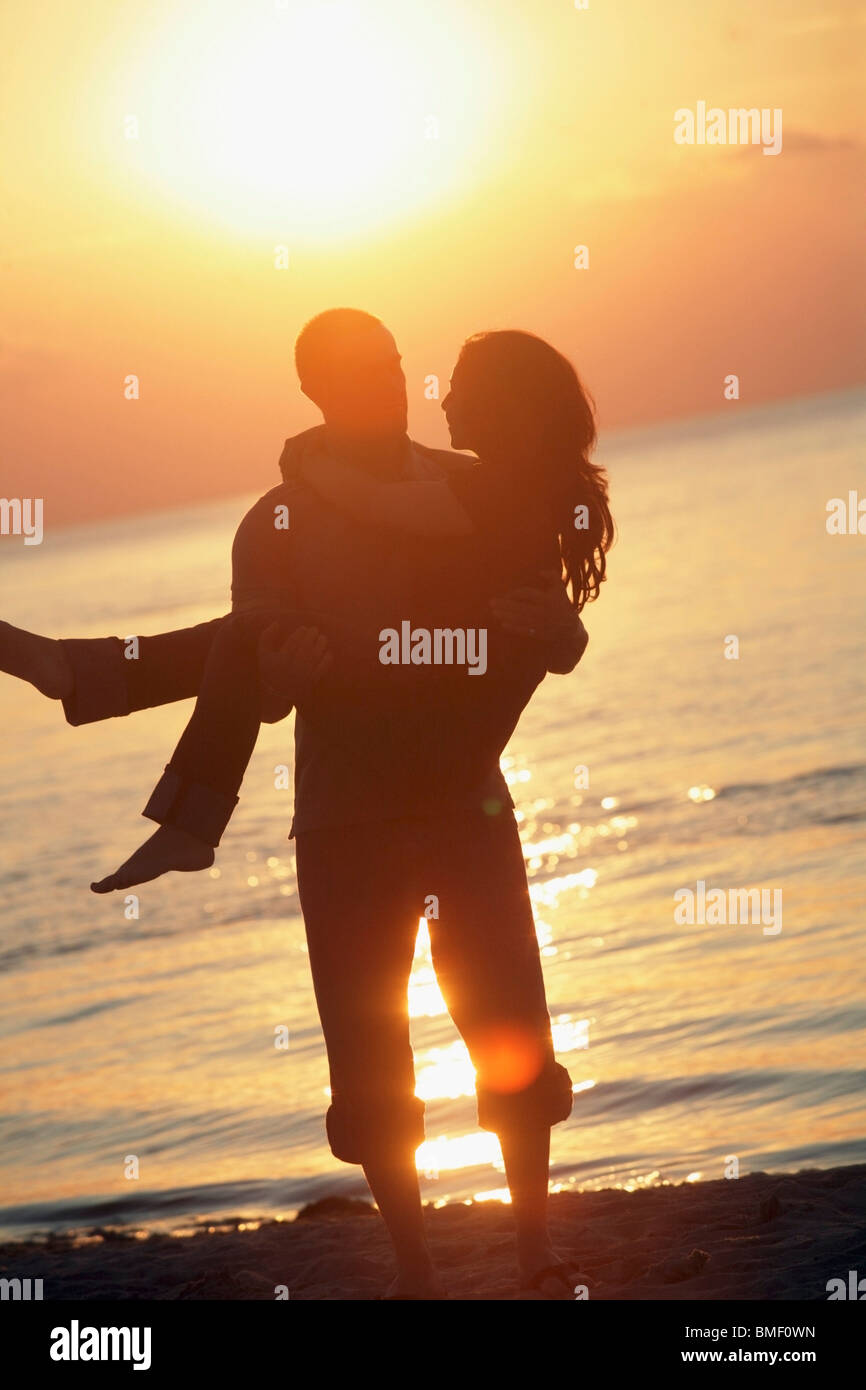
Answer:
(397, 843)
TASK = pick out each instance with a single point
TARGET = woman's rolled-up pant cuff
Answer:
(191, 806)
(547, 1101)
(358, 1130)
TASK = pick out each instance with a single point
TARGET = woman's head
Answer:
(519, 404)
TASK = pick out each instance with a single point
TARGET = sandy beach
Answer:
(762, 1236)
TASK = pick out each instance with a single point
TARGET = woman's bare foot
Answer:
(39, 660)
(168, 848)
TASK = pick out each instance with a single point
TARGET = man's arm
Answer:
(111, 677)
(293, 653)
(262, 578)
(262, 575)
(547, 615)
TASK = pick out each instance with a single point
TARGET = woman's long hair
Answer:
(536, 396)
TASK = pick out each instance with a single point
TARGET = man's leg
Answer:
(485, 953)
(361, 912)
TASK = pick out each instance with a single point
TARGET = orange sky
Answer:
(309, 125)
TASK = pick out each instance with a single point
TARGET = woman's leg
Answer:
(361, 910)
(105, 677)
(485, 952)
(39, 660)
(194, 799)
(214, 749)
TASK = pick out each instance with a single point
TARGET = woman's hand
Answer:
(547, 615)
(289, 667)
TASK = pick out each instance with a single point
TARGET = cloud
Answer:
(826, 23)
(804, 142)
(811, 142)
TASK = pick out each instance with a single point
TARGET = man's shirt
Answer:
(377, 742)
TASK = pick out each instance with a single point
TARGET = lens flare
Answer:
(509, 1058)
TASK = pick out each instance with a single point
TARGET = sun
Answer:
(309, 120)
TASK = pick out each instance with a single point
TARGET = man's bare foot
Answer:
(550, 1276)
(419, 1286)
(39, 660)
(553, 1279)
(168, 848)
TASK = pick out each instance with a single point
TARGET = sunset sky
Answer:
(434, 164)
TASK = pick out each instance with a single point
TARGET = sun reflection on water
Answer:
(446, 1153)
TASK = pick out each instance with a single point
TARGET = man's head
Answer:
(349, 366)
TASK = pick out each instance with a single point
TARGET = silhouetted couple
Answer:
(365, 587)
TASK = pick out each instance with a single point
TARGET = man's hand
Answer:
(547, 615)
(290, 666)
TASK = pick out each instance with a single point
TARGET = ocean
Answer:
(711, 740)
